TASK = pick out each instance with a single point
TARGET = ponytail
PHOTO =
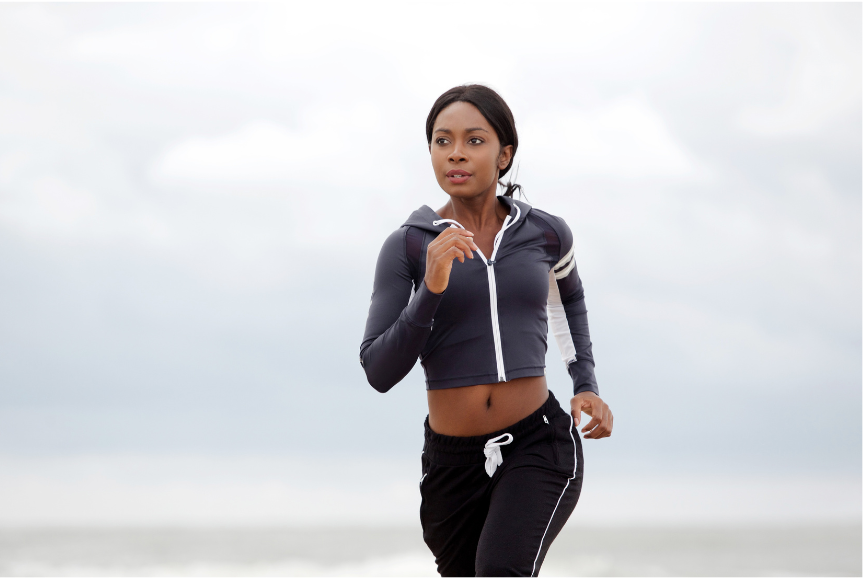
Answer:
(511, 188)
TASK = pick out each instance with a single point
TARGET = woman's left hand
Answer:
(601, 418)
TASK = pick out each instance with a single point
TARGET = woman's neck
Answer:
(478, 213)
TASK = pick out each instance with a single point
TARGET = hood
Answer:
(425, 216)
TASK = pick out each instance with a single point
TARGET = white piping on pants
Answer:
(574, 470)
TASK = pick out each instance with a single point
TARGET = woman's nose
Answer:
(457, 155)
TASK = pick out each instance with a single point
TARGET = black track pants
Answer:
(500, 525)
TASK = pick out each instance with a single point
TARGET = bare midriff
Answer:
(485, 408)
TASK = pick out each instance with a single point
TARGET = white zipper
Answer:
(492, 286)
(495, 324)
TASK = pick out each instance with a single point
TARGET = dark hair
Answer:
(495, 111)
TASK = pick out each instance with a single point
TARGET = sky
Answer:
(193, 197)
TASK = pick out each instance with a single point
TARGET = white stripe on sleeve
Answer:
(557, 322)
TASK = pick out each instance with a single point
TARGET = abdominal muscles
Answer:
(485, 408)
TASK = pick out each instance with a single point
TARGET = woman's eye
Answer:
(441, 141)
(475, 141)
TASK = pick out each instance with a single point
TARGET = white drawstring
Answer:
(453, 221)
(493, 457)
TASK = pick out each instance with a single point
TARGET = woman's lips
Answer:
(458, 176)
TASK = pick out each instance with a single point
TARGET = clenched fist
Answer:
(454, 243)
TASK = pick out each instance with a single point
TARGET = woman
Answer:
(467, 290)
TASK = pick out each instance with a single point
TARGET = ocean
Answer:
(798, 550)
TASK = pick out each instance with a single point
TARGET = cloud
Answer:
(53, 206)
(622, 139)
(259, 152)
(38, 204)
(326, 149)
(719, 345)
(823, 83)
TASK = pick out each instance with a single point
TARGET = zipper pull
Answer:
(544, 418)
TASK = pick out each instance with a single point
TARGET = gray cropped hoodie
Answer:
(491, 323)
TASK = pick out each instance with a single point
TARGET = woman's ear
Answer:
(505, 157)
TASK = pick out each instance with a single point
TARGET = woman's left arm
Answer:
(568, 320)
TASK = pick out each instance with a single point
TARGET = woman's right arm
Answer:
(398, 327)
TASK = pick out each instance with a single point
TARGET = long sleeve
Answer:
(567, 316)
(398, 326)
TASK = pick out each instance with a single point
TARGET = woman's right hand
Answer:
(454, 243)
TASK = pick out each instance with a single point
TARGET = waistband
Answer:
(436, 443)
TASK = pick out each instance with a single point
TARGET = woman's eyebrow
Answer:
(445, 130)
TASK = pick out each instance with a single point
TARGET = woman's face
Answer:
(465, 152)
